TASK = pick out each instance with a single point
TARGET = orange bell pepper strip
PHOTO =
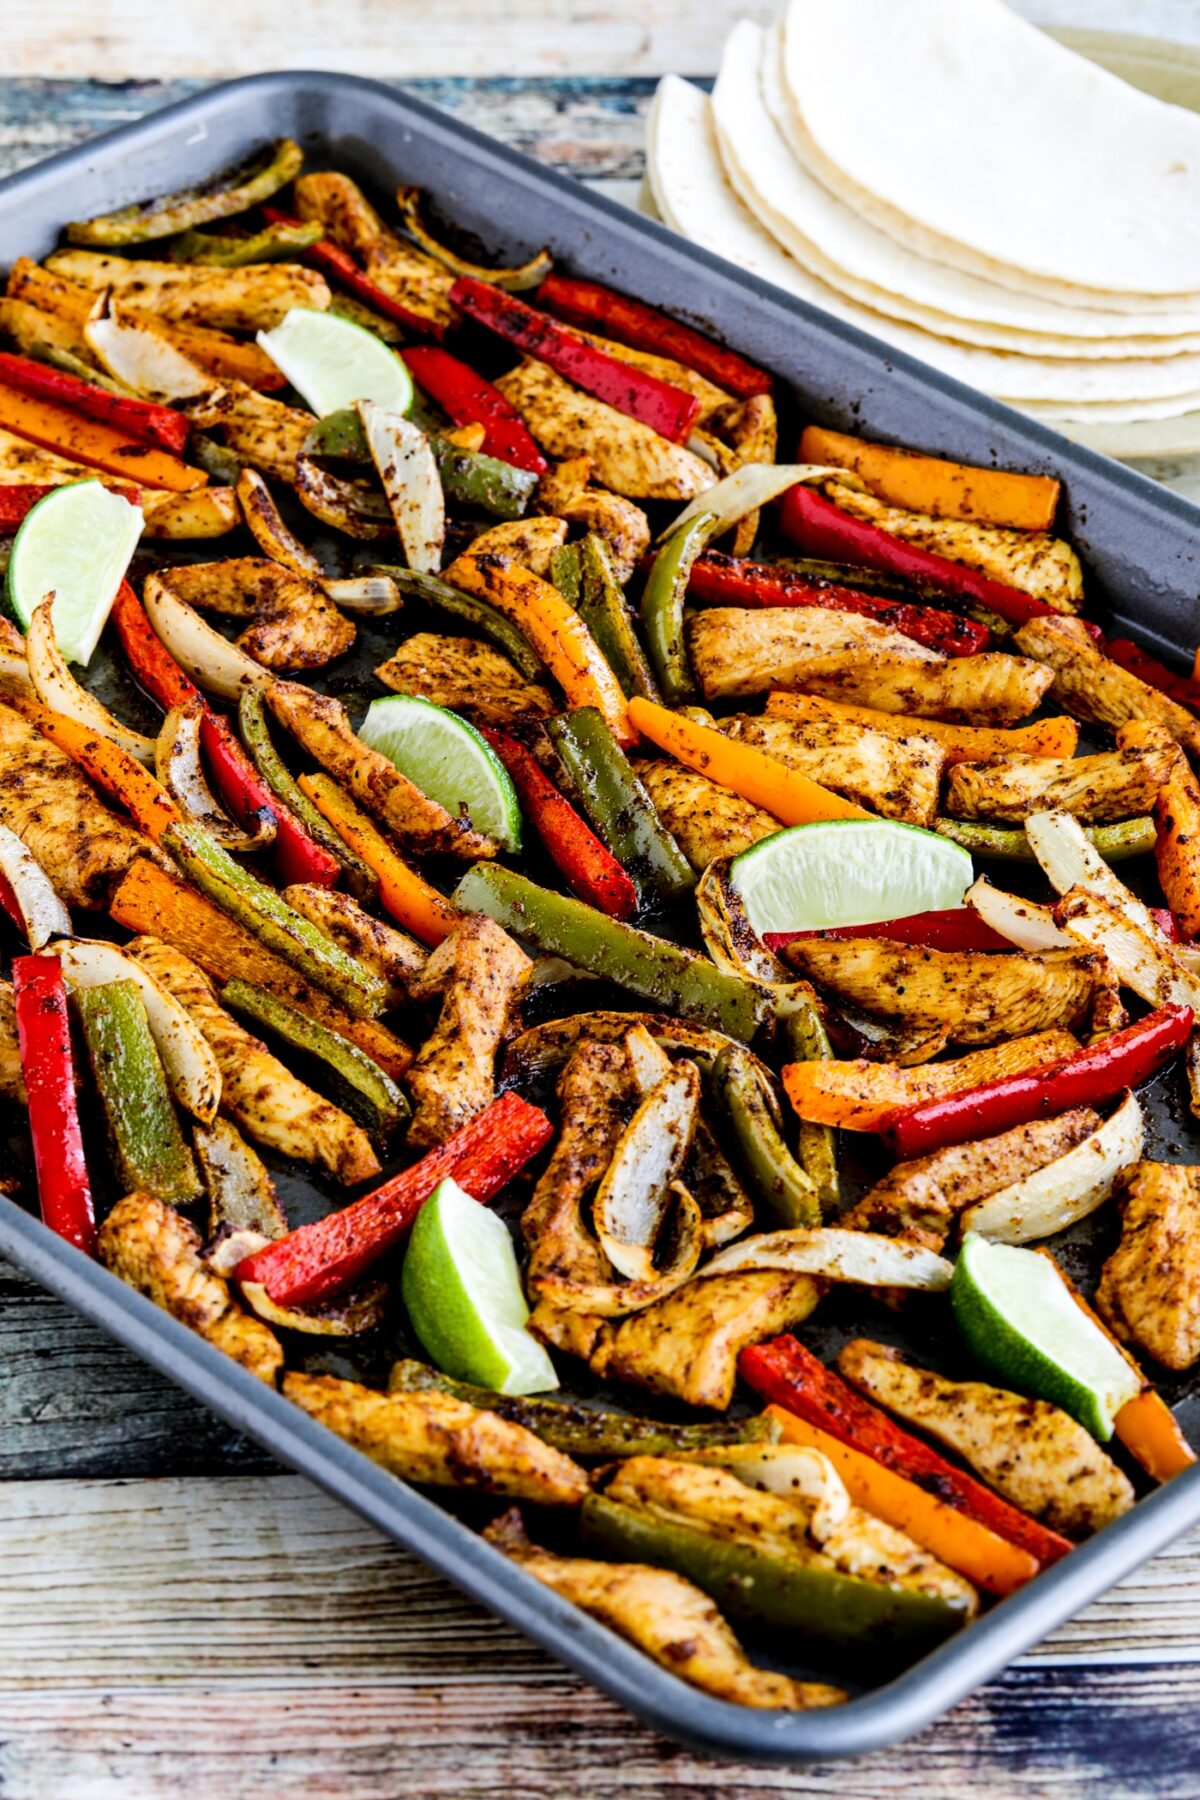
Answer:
(94, 443)
(114, 771)
(1177, 847)
(409, 898)
(554, 629)
(961, 743)
(962, 1543)
(743, 768)
(928, 484)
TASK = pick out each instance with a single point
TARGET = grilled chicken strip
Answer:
(322, 727)
(1033, 1454)
(671, 1620)
(259, 430)
(1117, 784)
(530, 542)
(706, 821)
(443, 1442)
(1033, 561)
(1091, 686)
(12, 1079)
(391, 954)
(688, 1344)
(983, 997)
(262, 1096)
(149, 1245)
(920, 1200)
(53, 808)
(565, 492)
(627, 456)
(255, 298)
(295, 625)
(741, 651)
(898, 778)
(419, 281)
(1150, 1288)
(480, 974)
(466, 676)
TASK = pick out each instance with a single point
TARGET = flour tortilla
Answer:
(695, 197)
(974, 139)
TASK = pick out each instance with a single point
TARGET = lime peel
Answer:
(331, 362)
(848, 872)
(448, 760)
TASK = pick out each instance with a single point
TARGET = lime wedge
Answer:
(462, 1289)
(76, 543)
(1019, 1318)
(448, 760)
(848, 872)
(331, 363)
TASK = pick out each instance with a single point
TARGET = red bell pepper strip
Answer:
(958, 928)
(470, 400)
(21, 498)
(731, 581)
(642, 327)
(297, 856)
(784, 1372)
(819, 528)
(149, 423)
(331, 260)
(1147, 668)
(1087, 1078)
(587, 866)
(321, 1259)
(666, 409)
(44, 1040)
(8, 904)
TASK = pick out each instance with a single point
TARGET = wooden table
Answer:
(177, 1615)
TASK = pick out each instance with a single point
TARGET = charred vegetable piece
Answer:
(241, 1194)
(147, 1144)
(929, 484)
(662, 973)
(642, 327)
(274, 243)
(48, 1068)
(774, 1175)
(469, 400)
(140, 418)
(359, 1085)
(602, 606)
(1116, 843)
(513, 280)
(256, 735)
(816, 1144)
(474, 612)
(620, 808)
(247, 184)
(341, 268)
(662, 608)
(472, 478)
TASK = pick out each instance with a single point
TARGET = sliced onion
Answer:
(1069, 860)
(409, 473)
(43, 912)
(348, 1315)
(634, 1199)
(241, 1194)
(268, 529)
(14, 674)
(790, 1471)
(1023, 922)
(187, 1058)
(648, 1060)
(372, 595)
(211, 660)
(752, 486)
(180, 768)
(134, 352)
(862, 1257)
(515, 280)
(1067, 1189)
(347, 506)
(233, 1247)
(1146, 965)
(57, 688)
(207, 512)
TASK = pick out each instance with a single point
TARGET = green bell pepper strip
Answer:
(602, 606)
(1116, 843)
(147, 1145)
(566, 572)
(775, 1176)
(276, 924)
(816, 1144)
(468, 477)
(221, 196)
(619, 807)
(667, 976)
(583, 1430)
(256, 735)
(357, 1082)
(771, 1589)
(274, 243)
(478, 614)
(218, 462)
(662, 609)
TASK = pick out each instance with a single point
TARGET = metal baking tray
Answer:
(1141, 546)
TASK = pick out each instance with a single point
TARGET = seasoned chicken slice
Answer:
(295, 625)
(321, 725)
(254, 298)
(688, 1344)
(1033, 1454)
(262, 1096)
(467, 677)
(49, 802)
(706, 820)
(1091, 686)
(1116, 784)
(1150, 1288)
(419, 281)
(920, 1200)
(740, 651)
(441, 1441)
(627, 456)
(565, 492)
(12, 1079)
(149, 1245)
(259, 430)
(391, 954)
(897, 777)
(530, 542)
(983, 997)
(675, 1624)
(1032, 561)
(480, 974)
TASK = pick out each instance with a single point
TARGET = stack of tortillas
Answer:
(943, 175)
